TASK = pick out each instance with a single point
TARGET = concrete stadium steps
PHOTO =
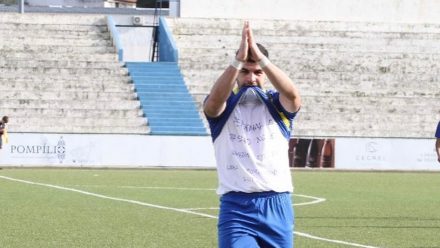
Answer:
(321, 61)
(325, 43)
(345, 122)
(58, 41)
(369, 89)
(55, 32)
(360, 131)
(57, 49)
(165, 99)
(97, 23)
(67, 104)
(60, 74)
(342, 111)
(202, 88)
(55, 19)
(71, 56)
(355, 113)
(74, 113)
(356, 79)
(80, 122)
(203, 26)
(313, 37)
(21, 63)
(363, 115)
(374, 124)
(67, 95)
(73, 85)
(60, 53)
(39, 77)
(64, 71)
(390, 80)
(90, 129)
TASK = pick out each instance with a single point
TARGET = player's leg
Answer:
(277, 221)
(237, 239)
(237, 219)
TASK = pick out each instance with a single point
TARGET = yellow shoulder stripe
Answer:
(285, 120)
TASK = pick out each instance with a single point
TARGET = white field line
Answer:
(146, 187)
(316, 200)
(207, 208)
(168, 208)
(332, 240)
(106, 197)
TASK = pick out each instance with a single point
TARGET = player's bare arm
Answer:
(215, 104)
(437, 148)
(289, 94)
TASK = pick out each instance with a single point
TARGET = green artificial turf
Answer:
(177, 208)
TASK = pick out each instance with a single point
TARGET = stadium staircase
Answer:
(165, 99)
(356, 79)
(59, 73)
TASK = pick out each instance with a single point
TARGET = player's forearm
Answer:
(216, 101)
(288, 92)
(437, 148)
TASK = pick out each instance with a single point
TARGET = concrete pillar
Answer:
(174, 8)
(20, 6)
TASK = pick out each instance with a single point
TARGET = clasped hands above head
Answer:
(248, 50)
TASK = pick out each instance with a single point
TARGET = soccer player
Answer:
(3, 131)
(250, 129)
(437, 143)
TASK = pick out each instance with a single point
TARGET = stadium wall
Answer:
(135, 39)
(101, 150)
(406, 11)
(142, 151)
(385, 154)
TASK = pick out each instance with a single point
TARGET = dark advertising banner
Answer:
(312, 153)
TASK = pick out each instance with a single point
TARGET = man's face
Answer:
(251, 75)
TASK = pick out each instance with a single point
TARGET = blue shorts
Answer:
(250, 220)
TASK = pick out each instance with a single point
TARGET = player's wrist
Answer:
(263, 62)
(237, 64)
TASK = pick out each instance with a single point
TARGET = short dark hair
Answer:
(262, 49)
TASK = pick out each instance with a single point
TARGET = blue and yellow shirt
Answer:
(250, 141)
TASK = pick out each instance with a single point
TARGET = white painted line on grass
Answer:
(316, 200)
(332, 240)
(106, 197)
(165, 188)
(145, 187)
(169, 208)
(194, 209)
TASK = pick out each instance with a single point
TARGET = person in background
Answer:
(250, 129)
(4, 131)
(437, 142)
